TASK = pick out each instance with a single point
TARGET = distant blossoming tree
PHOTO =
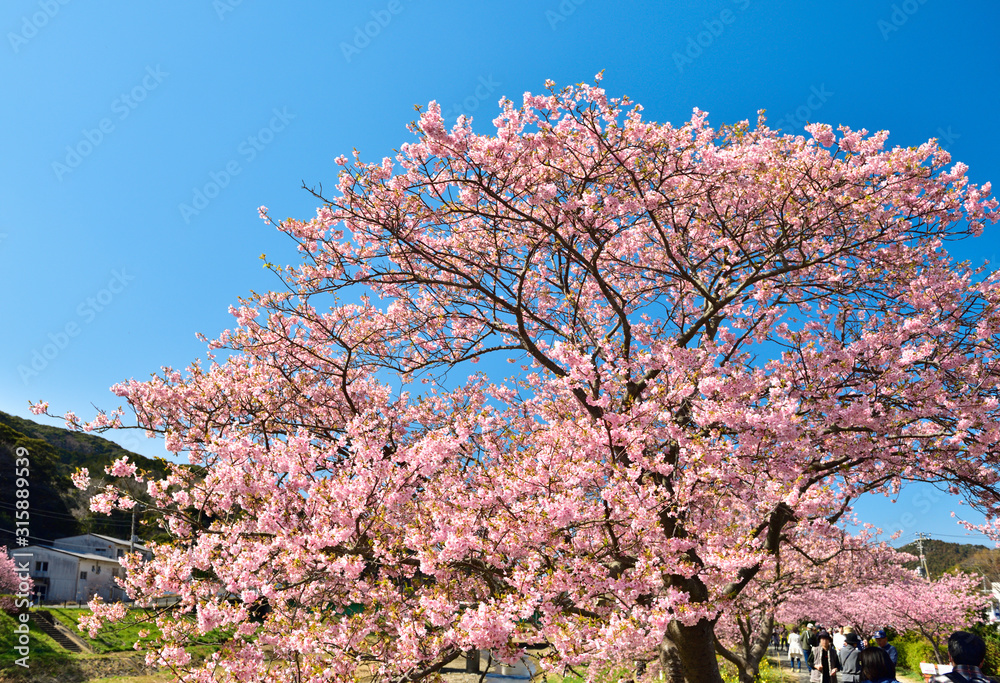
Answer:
(815, 560)
(10, 579)
(717, 335)
(935, 609)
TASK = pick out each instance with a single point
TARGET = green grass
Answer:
(121, 636)
(43, 650)
(47, 659)
(118, 637)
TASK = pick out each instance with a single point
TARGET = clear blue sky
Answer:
(117, 115)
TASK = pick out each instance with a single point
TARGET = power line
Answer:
(67, 545)
(54, 515)
(954, 535)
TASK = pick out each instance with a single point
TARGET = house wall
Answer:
(100, 580)
(63, 576)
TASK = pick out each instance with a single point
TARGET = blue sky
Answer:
(138, 139)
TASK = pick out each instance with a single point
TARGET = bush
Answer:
(913, 648)
(766, 673)
(991, 667)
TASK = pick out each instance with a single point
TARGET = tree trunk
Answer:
(687, 653)
(472, 662)
(758, 650)
(750, 652)
(937, 650)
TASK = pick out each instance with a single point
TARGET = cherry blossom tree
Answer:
(936, 608)
(815, 558)
(10, 579)
(905, 602)
(717, 335)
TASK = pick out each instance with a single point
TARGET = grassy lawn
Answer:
(116, 638)
(120, 637)
(112, 651)
(41, 645)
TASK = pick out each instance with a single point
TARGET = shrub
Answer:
(991, 667)
(913, 648)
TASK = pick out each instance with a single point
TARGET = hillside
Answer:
(943, 556)
(56, 507)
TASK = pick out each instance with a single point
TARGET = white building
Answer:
(99, 544)
(77, 568)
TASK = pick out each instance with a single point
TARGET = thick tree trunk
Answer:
(687, 654)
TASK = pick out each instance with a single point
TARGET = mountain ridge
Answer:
(56, 508)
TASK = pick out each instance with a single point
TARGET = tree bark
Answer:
(472, 661)
(750, 651)
(687, 653)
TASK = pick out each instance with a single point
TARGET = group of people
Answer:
(824, 652)
(845, 658)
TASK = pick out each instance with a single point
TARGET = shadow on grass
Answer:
(45, 659)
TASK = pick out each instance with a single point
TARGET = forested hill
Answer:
(56, 508)
(943, 556)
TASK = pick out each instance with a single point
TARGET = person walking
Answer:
(804, 634)
(826, 664)
(876, 667)
(850, 664)
(809, 641)
(795, 653)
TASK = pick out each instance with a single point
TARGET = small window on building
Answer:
(83, 576)
(41, 566)
(121, 552)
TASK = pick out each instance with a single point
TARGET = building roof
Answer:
(84, 556)
(110, 539)
(120, 541)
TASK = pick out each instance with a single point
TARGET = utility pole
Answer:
(920, 548)
(131, 536)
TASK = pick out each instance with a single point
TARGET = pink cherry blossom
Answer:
(81, 478)
(725, 336)
(11, 581)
